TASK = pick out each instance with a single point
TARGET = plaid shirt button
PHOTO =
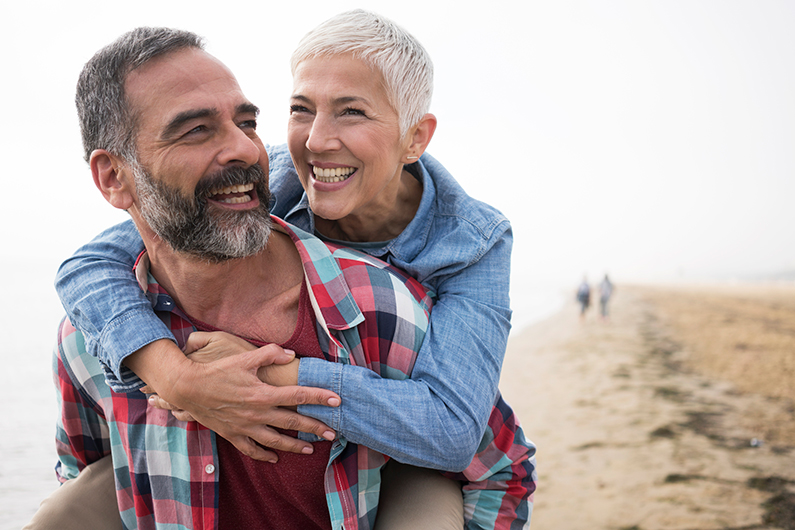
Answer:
(209, 469)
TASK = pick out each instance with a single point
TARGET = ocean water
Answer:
(27, 397)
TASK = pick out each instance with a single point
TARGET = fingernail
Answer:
(307, 450)
(289, 352)
(329, 435)
(334, 402)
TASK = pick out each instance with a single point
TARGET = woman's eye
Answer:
(350, 111)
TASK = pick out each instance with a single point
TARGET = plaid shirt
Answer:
(166, 470)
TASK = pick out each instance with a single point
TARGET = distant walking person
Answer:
(584, 296)
(605, 291)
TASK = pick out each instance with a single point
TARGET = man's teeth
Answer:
(330, 175)
(239, 188)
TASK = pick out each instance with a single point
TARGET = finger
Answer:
(247, 446)
(291, 421)
(273, 439)
(160, 403)
(305, 395)
(269, 354)
(196, 341)
(183, 415)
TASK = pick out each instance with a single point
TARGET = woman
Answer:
(358, 126)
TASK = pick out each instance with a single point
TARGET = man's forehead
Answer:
(182, 81)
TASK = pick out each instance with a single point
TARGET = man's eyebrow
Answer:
(180, 119)
(183, 117)
(248, 108)
(338, 101)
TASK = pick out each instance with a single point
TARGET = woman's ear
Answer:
(113, 179)
(421, 135)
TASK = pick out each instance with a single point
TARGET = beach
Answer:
(634, 432)
(641, 422)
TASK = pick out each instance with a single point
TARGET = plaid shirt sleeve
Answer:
(500, 482)
(82, 434)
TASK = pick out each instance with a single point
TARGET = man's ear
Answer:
(421, 135)
(113, 178)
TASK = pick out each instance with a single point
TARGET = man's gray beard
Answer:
(188, 226)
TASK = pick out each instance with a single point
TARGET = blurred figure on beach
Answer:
(584, 297)
(605, 292)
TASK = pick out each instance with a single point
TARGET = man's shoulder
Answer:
(72, 360)
(370, 278)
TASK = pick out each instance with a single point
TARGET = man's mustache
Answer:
(231, 176)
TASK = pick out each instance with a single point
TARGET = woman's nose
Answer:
(322, 135)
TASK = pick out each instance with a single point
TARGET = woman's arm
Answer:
(438, 417)
(101, 295)
(102, 298)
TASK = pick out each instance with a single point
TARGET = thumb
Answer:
(196, 341)
(271, 354)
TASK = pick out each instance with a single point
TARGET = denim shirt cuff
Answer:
(123, 337)
(320, 373)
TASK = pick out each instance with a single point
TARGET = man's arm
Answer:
(100, 294)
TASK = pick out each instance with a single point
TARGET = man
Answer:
(192, 177)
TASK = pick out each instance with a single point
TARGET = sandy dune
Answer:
(629, 438)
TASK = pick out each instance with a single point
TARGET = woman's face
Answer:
(344, 138)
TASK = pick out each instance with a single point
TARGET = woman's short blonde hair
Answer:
(406, 67)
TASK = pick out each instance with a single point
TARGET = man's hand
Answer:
(206, 347)
(226, 395)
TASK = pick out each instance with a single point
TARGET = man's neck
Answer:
(255, 297)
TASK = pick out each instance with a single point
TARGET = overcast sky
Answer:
(652, 140)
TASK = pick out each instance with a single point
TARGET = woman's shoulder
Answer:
(454, 208)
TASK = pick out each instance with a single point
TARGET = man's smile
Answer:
(237, 194)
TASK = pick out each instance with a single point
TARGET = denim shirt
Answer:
(457, 247)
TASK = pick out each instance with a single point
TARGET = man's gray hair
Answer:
(391, 50)
(106, 120)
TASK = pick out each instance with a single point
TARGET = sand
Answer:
(633, 434)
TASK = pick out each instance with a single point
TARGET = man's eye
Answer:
(249, 124)
(298, 108)
(196, 130)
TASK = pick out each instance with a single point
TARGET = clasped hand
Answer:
(242, 392)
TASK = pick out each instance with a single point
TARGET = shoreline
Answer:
(630, 438)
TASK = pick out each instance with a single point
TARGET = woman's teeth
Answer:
(330, 175)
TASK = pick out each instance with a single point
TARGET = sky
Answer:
(649, 139)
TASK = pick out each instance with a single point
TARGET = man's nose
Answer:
(239, 148)
(323, 136)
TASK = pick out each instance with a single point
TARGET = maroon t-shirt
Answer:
(290, 493)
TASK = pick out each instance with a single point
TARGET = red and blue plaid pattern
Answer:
(369, 315)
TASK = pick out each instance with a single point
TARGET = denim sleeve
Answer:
(437, 418)
(102, 298)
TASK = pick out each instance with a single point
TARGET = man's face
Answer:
(201, 177)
